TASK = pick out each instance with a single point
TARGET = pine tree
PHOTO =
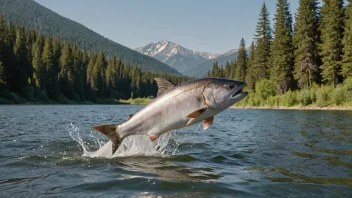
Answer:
(261, 65)
(250, 79)
(49, 78)
(37, 63)
(8, 58)
(2, 51)
(2, 81)
(331, 27)
(66, 74)
(2, 37)
(216, 70)
(109, 73)
(80, 73)
(347, 43)
(282, 59)
(227, 71)
(98, 77)
(31, 37)
(22, 65)
(233, 69)
(242, 60)
(305, 41)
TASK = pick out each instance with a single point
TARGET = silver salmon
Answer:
(177, 106)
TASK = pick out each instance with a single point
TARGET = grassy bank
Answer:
(136, 101)
(316, 97)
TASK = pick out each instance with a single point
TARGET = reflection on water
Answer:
(164, 169)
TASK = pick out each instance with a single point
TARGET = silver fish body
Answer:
(178, 106)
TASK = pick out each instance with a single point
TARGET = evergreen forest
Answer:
(305, 63)
(35, 68)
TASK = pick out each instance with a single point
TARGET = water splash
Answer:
(132, 145)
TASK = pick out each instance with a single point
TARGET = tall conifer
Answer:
(282, 49)
(242, 60)
(331, 27)
(263, 37)
(347, 43)
(305, 41)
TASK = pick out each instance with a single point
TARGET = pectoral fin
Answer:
(208, 122)
(196, 113)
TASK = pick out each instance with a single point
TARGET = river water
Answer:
(50, 151)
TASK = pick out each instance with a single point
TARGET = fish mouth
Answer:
(238, 93)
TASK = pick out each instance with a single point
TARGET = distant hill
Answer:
(175, 55)
(202, 69)
(30, 14)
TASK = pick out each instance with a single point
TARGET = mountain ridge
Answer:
(175, 55)
(31, 14)
(186, 61)
(202, 69)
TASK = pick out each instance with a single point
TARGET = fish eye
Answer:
(231, 86)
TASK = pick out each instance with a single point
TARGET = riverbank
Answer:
(297, 108)
(11, 98)
(14, 99)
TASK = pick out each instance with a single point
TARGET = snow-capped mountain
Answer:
(176, 56)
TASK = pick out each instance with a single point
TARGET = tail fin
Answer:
(110, 131)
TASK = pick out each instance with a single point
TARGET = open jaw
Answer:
(238, 93)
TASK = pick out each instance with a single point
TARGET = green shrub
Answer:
(288, 99)
(318, 95)
(348, 84)
(265, 88)
(15, 98)
(324, 95)
(41, 95)
(75, 97)
(304, 97)
(5, 101)
(136, 101)
(63, 100)
(274, 101)
(339, 95)
(27, 92)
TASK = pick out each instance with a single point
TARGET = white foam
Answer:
(131, 146)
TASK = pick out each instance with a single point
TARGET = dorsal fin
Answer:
(163, 85)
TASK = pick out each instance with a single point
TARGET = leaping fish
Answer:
(177, 106)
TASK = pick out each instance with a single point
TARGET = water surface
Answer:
(48, 151)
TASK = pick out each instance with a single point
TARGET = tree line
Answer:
(39, 67)
(315, 50)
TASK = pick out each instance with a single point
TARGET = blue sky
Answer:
(201, 25)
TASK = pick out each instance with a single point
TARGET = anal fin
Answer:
(208, 122)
